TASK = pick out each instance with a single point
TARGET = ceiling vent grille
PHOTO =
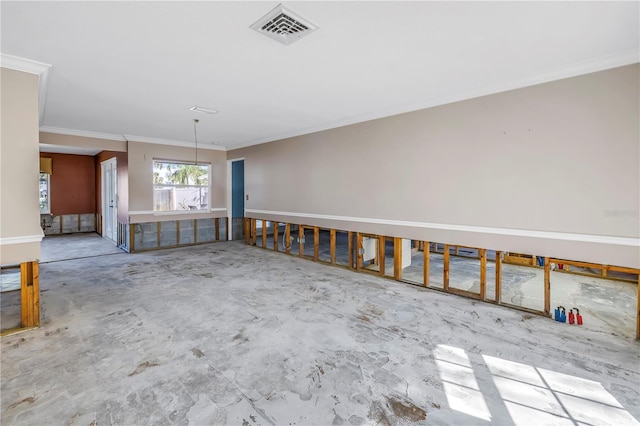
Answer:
(283, 25)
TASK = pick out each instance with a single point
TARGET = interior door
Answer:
(237, 199)
(109, 199)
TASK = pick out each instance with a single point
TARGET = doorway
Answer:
(236, 198)
(110, 200)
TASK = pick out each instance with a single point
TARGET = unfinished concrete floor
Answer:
(225, 333)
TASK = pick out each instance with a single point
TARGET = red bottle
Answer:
(578, 316)
(572, 317)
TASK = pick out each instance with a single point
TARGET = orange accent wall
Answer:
(73, 184)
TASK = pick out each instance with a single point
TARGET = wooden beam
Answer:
(287, 238)
(275, 236)
(247, 230)
(547, 286)
(29, 294)
(264, 233)
(445, 272)
(300, 240)
(350, 248)
(316, 243)
(426, 262)
(397, 258)
(332, 244)
(483, 273)
(358, 251)
(132, 237)
(254, 231)
(498, 276)
(382, 254)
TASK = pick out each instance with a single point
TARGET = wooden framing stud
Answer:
(316, 243)
(287, 238)
(397, 258)
(158, 227)
(382, 254)
(264, 233)
(498, 276)
(29, 294)
(217, 226)
(426, 262)
(254, 231)
(359, 250)
(332, 245)
(132, 237)
(300, 240)
(247, 230)
(547, 286)
(275, 235)
(445, 272)
(483, 273)
(350, 248)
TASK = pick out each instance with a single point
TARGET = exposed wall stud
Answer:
(547, 286)
(445, 273)
(359, 250)
(300, 240)
(316, 243)
(254, 232)
(264, 234)
(483, 273)
(217, 226)
(332, 244)
(287, 238)
(498, 277)
(397, 258)
(381, 258)
(275, 235)
(426, 262)
(350, 248)
(29, 294)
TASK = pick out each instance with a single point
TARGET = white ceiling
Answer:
(135, 68)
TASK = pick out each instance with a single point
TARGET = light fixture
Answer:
(202, 109)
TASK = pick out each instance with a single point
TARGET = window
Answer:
(180, 186)
(44, 190)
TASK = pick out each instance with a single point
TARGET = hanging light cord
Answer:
(195, 134)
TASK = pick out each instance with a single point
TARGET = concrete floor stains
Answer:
(229, 334)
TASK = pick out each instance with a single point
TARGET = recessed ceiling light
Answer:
(201, 109)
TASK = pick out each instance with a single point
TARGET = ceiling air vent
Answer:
(283, 25)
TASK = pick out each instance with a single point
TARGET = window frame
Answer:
(208, 165)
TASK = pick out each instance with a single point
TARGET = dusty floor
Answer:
(224, 333)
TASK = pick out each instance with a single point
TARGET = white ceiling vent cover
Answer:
(283, 25)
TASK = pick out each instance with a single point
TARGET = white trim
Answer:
(219, 209)
(143, 139)
(620, 59)
(182, 212)
(140, 212)
(586, 238)
(30, 66)
(25, 239)
(82, 133)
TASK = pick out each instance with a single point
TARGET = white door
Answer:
(109, 199)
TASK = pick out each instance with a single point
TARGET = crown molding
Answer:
(30, 66)
(143, 139)
(82, 133)
(619, 59)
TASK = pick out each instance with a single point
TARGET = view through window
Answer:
(180, 186)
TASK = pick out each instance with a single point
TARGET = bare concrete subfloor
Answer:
(229, 334)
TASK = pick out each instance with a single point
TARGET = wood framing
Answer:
(316, 243)
(397, 258)
(254, 232)
(445, 271)
(332, 245)
(382, 254)
(29, 294)
(264, 234)
(217, 225)
(498, 276)
(426, 262)
(275, 236)
(350, 247)
(131, 237)
(483, 273)
(287, 238)
(359, 251)
(247, 230)
(301, 241)
(547, 286)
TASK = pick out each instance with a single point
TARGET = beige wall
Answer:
(141, 156)
(560, 157)
(19, 168)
